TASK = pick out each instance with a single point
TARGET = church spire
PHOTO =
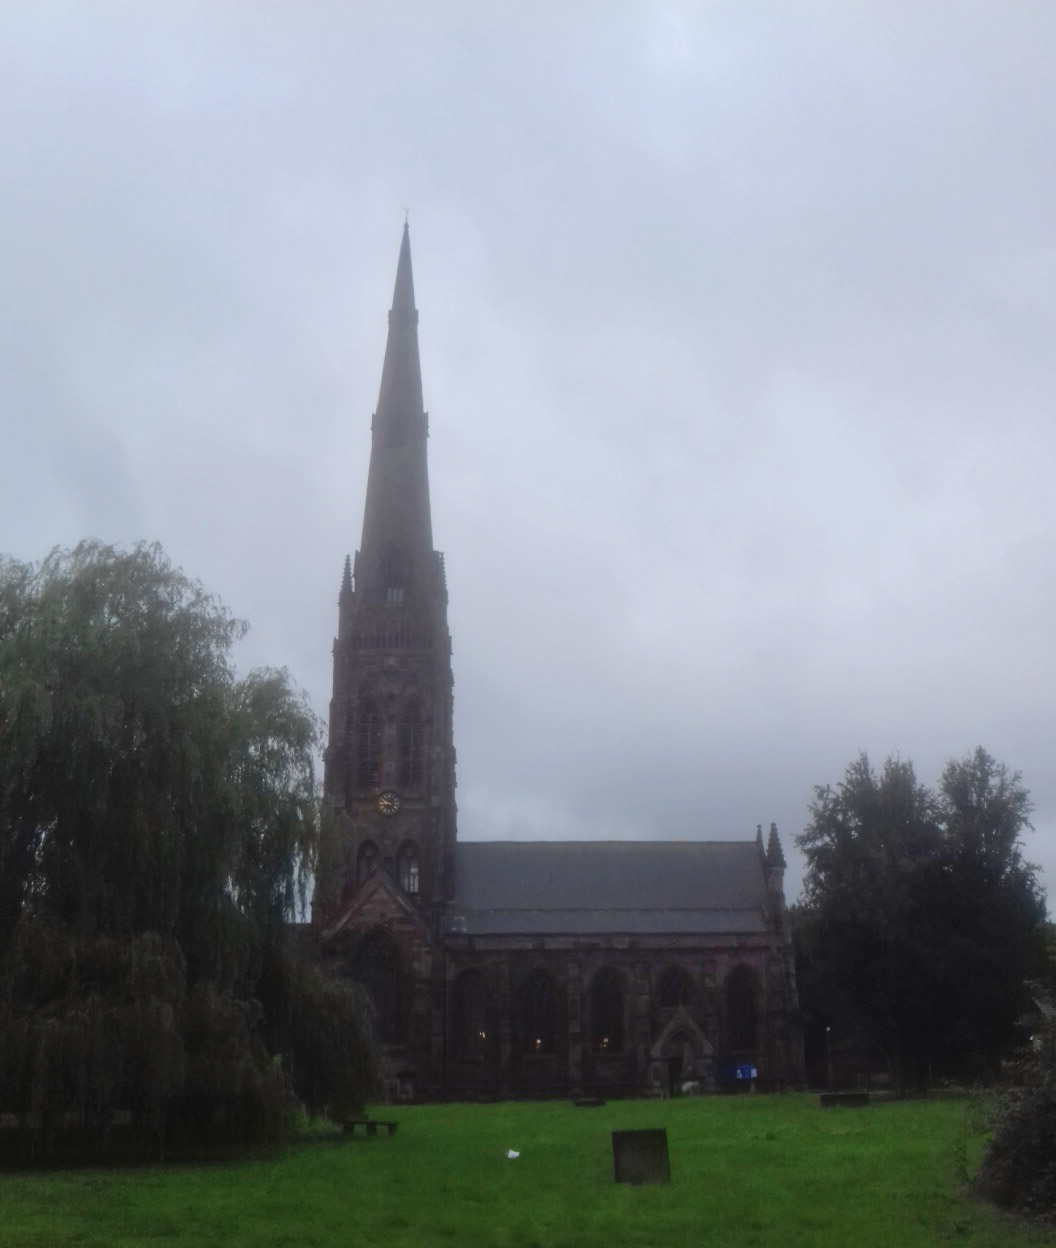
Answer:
(396, 551)
(389, 769)
(403, 295)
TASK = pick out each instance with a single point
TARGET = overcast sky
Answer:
(736, 324)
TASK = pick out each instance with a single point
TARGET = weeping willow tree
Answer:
(158, 827)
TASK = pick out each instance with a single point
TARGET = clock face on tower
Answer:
(388, 802)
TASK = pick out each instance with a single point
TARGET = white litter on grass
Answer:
(512, 1155)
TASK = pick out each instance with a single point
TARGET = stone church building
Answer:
(510, 969)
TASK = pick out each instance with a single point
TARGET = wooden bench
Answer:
(369, 1125)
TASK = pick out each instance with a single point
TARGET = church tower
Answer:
(389, 785)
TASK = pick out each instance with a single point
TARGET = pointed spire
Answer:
(403, 293)
(759, 840)
(397, 543)
(774, 856)
(400, 399)
(346, 577)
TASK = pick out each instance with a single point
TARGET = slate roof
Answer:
(608, 887)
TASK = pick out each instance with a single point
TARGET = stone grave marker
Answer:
(641, 1156)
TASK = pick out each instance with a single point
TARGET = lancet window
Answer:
(408, 870)
(368, 743)
(472, 1024)
(539, 1013)
(366, 860)
(410, 738)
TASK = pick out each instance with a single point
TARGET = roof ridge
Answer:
(635, 841)
(600, 909)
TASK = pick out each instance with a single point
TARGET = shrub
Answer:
(1019, 1166)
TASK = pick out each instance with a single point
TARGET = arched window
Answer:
(742, 1007)
(676, 988)
(407, 862)
(539, 1013)
(369, 746)
(366, 860)
(377, 967)
(473, 1029)
(606, 1012)
(411, 745)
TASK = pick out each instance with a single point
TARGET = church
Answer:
(515, 969)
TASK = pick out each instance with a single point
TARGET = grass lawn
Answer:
(746, 1170)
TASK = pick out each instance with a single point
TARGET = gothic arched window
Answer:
(676, 988)
(606, 1012)
(407, 864)
(368, 743)
(473, 1032)
(539, 1013)
(366, 860)
(742, 1007)
(411, 745)
(377, 967)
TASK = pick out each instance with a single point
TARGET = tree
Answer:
(920, 918)
(158, 825)
(869, 847)
(991, 908)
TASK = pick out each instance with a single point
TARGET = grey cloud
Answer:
(736, 330)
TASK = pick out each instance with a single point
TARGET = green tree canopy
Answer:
(921, 920)
(158, 826)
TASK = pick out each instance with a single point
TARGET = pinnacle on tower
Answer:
(774, 856)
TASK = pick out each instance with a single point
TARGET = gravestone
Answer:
(641, 1156)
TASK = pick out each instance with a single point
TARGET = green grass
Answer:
(746, 1171)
